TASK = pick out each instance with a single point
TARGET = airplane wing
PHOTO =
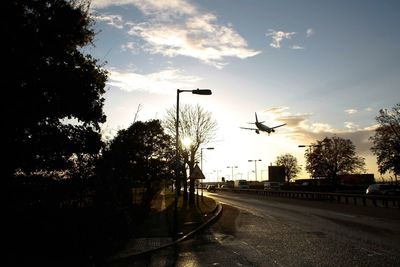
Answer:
(278, 126)
(254, 129)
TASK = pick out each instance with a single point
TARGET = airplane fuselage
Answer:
(263, 128)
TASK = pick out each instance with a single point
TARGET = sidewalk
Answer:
(157, 229)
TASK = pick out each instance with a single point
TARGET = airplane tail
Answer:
(256, 116)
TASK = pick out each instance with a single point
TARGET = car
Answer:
(383, 189)
(272, 186)
(211, 188)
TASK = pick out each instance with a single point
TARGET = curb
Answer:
(217, 212)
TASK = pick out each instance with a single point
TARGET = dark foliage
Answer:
(51, 118)
(332, 157)
(54, 103)
(291, 166)
(387, 141)
(141, 154)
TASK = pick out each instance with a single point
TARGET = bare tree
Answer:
(292, 168)
(387, 141)
(198, 125)
(332, 157)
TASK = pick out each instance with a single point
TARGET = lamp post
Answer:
(201, 167)
(310, 147)
(310, 151)
(201, 155)
(217, 171)
(232, 167)
(262, 174)
(255, 165)
(177, 163)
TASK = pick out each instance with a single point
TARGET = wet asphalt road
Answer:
(258, 231)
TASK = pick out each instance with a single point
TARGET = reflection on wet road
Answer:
(256, 231)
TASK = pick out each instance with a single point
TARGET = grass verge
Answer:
(160, 222)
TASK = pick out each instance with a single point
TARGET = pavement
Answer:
(156, 234)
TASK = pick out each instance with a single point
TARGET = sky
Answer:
(325, 68)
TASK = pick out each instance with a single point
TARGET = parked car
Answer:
(272, 186)
(211, 188)
(383, 189)
(241, 184)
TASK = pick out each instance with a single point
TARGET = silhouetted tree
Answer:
(54, 101)
(332, 157)
(198, 125)
(140, 154)
(292, 168)
(387, 141)
(51, 116)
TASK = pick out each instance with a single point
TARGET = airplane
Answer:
(262, 127)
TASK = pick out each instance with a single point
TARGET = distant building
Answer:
(356, 179)
(276, 174)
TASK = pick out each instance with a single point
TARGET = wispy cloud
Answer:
(278, 37)
(179, 28)
(130, 46)
(297, 47)
(113, 20)
(304, 130)
(157, 82)
(350, 125)
(310, 32)
(351, 111)
(164, 10)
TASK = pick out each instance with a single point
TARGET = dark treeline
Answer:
(67, 194)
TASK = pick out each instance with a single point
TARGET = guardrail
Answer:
(354, 199)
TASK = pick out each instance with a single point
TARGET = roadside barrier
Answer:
(354, 199)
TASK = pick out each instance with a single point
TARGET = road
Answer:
(259, 231)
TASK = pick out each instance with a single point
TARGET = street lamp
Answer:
(310, 147)
(201, 167)
(201, 155)
(310, 151)
(255, 165)
(262, 174)
(232, 167)
(177, 163)
(217, 171)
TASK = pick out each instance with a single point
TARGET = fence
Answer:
(354, 199)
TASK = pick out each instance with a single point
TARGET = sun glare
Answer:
(186, 142)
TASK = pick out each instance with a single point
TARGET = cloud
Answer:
(301, 128)
(158, 82)
(105, 3)
(130, 46)
(297, 47)
(113, 20)
(165, 10)
(350, 125)
(178, 28)
(278, 37)
(157, 8)
(276, 110)
(351, 111)
(310, 32)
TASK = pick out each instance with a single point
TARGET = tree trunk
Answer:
(191, 193)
